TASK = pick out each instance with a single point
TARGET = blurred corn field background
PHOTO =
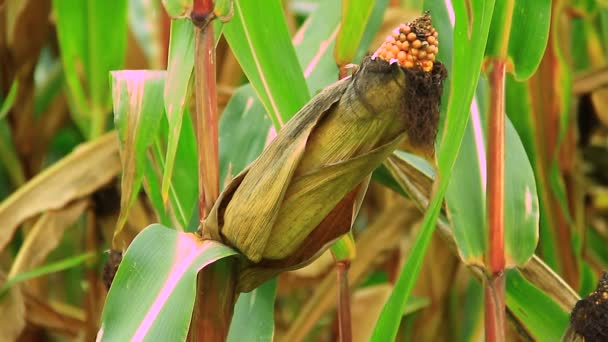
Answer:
(98, 112)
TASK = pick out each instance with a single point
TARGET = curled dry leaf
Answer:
(12, 307)
(87, 168)
(45, 236)
(300, 194)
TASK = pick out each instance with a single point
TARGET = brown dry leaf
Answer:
(45, 236)
(59, 318)
(86, 169)
(12, 308)
(366, 306)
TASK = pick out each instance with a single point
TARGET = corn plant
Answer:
(303, 170)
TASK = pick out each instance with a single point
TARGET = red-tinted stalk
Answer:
(495, 285)
(215, 296)
(344, 317)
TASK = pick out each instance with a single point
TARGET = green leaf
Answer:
(243, 130)
(8, 101)
(544, 319)
(466, 194)
(260, 41)
(521, 202)
(92, 38)
(254, 314)
(138, 110)
(518, 290)
(464, 75)
(528, 36)
(44, 270)
(176, 94)
(183, 190)
(355, 14)
(152, 295)
(467, 203)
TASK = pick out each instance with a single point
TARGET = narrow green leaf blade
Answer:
(92, 38)
(44, 270)
(138, 109)
(107, 38)
(7, 103)
(355, 14)
(179, 72)
(152, 295)
(464, 75)
(259, 38)
(72, 38)
(183, 191)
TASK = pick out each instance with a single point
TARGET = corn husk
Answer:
(301, 192)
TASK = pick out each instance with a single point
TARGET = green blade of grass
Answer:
(8, 101)
(527, 38)
(54, 267)
(464, 75)
(355, 14)
(176, 94)
(258, 36)
(182, 194)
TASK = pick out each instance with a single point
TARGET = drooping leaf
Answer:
(44, 237)
(153, 292)
(86, 169)
(138, 109)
